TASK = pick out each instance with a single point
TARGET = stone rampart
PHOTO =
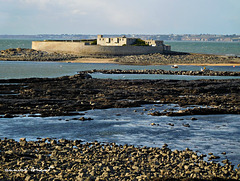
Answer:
(81, 48)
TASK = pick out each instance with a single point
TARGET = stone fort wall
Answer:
(81, 48)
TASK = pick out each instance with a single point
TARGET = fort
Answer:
(103, 46)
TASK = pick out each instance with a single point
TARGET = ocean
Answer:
(216, 48)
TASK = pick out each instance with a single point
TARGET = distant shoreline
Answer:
(165, 37)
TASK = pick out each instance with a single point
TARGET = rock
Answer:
(85, 119)
(8, 116)
(22, 139)
(97, 161)
(213, 157)
(186, 125)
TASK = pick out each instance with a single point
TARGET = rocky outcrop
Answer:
(177, 58)
(51, 159)
(21, 54)
(70, 94)
(197, 111)
(170, 72)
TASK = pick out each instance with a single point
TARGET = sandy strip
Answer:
(111, 60)
(93, 60)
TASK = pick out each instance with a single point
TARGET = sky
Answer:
(32, 17)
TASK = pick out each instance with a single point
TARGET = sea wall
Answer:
(81, 48)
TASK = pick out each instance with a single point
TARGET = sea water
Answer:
(208, 133)
(12, 43)
(216, 48)
(23, 69)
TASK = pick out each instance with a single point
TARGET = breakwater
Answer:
(170, 72)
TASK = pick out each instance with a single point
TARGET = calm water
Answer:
(209, 133)
(217, 48)
(6, 44)
(21, 69)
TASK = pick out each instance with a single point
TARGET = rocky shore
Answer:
(22, 54)
(176, 58)
(73, 160)
(51, 159)
(171, 72)
(70, 94)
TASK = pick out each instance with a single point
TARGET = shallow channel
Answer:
(209, 133)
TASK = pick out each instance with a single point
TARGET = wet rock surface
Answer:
(22, 54)
(51, 159)
(69, 94)
(177, 58)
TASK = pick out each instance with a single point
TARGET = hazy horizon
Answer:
(34, 17)
(115, 34)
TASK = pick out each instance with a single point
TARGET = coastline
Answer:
(49, 158)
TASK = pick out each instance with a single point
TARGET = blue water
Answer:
(6, 44)
(217, 48)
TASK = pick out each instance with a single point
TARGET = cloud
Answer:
(119, 16)
(108, 11)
